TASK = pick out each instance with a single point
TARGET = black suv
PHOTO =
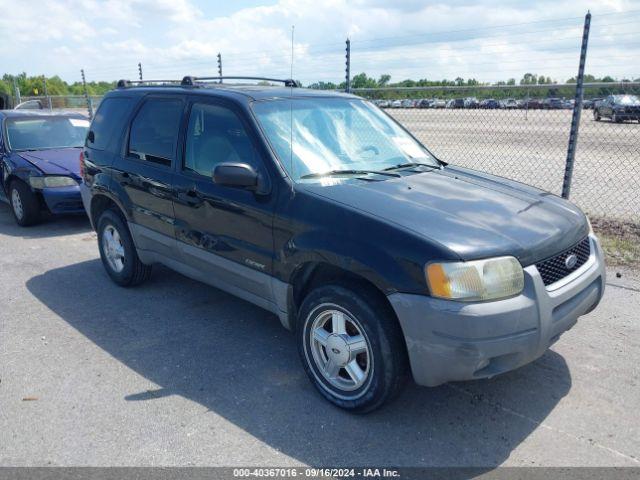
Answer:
(319, 207)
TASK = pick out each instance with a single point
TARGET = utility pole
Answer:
(140, 70)
(220, 66)
(86, 94)
(577, 111)
(348, 69)
(46, 93)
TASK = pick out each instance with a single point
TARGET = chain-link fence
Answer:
(59, 103)
(522, 132)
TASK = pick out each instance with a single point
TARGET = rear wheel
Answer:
(596, 115)
(351, 347)
(615, 118)
(24, 204)
(118, 252)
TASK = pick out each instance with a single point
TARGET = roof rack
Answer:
(194, 81)
(146, 83)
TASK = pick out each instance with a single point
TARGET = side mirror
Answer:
(239, 175)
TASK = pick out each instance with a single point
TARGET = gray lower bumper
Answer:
(449, 341)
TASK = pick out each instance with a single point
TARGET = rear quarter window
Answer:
(109, 121)
(154, 131)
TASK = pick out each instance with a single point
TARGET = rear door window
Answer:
(109, 119)
(154, 131)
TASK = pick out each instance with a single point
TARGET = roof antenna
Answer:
(293, 173)
(293, 27)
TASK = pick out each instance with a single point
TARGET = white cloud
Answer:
(406, 38)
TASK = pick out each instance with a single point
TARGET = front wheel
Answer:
(351, 347)
(596, 115)
(24, 204)
(118, 252)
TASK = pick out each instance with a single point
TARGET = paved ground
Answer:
(178, 373)
(531, 147)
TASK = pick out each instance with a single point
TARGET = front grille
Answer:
(554, 268)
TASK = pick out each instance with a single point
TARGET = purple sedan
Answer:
(39, 163)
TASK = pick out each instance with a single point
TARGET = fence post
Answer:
(16, 91)
(46, 93)
(577, 111)
(140, 70)
(86, 94)
(348, 69)
(220, 67)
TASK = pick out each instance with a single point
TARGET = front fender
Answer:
(16, 167)
(387, 271)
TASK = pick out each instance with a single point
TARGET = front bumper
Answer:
(64, 200)
(450, 341)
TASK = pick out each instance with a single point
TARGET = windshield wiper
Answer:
(350, 172)
(412, 164)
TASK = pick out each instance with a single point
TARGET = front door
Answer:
(223, 232)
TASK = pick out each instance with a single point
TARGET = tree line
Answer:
(567, 89)
(34, 86)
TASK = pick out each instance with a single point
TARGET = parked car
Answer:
(30, 105)
(590, 103)
(489, 103)
(384, 104)
(533, 104)
(380, 257)
(424, 103)
(509, 104)
(438, 103)
(471, 102)
(39, 168)
(396, 104)
(552, 103)
(6, 101)
(407, 103)
(618, 108)
(455, 103)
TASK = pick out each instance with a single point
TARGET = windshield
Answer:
(318, 135)
(627, 100)
(40, 133)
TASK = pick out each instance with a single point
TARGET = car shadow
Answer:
(51, 226)
(237, 361)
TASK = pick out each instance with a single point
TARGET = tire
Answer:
(370, 326)
(615, 118)
(596, 115)
(24, 204)
(118, 252)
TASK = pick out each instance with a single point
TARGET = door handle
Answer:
(191, 196)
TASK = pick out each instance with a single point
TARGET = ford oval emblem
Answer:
(570, 261)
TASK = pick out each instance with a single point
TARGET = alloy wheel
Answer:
(340, 349)
(16, 203)
(113, 248)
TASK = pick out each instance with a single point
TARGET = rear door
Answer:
(145, 172)
(224, 232)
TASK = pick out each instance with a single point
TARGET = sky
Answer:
(487, 40)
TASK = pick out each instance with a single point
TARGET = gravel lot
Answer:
(178, 373)
(532, 147)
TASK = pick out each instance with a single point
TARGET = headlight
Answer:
(51, 182)
(488, 279)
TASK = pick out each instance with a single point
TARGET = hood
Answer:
(473, 214)
(63, 161)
